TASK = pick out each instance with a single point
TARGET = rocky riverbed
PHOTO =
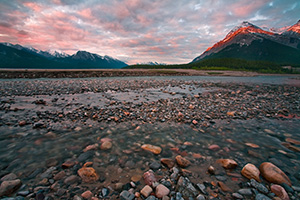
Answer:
(150, 138)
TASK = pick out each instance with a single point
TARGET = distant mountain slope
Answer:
(250, 42)
(17, 56)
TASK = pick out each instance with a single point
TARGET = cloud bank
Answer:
(136, 31)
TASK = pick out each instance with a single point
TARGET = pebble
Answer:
(200, 197)
(214, 147)
(68, 164)
(237, 196)
(168, 162)
(149, 177)
(273, 174)
(261, 197)
(202, 188)
(260, 187)
(182, 162)
(125, 195)
(151, 148)
(161, 191)
(71, 180)
(185, 187)
(85, 156)
(154, 165)
(106, 145)
(146, 191)
(250, 171)
(9, 187)
(224, 187)
(88, 174)
(87, 194)
(227, 163)
(59, 175)
(245, 192)
(8, 177)
(280, 192)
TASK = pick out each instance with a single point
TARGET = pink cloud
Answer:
(86, 13)
(34, 6)
(245, 8)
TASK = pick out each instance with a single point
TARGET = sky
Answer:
(136, 31)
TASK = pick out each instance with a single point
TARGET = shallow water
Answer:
(27, 151)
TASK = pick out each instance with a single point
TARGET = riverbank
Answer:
(91, 138)
(49, 73)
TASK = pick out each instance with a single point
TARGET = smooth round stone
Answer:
(154, 165)
(273, 174)
(161, 191)
(250, 171)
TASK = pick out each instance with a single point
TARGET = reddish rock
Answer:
(291, 147)
(214, 147)
(227, 163)
(250, 171)
(87, 194)
(152, 148)
(252, 145)
(182, 162)
(146, 191)
(224, 187)
(168, 162)
(136, 178)
(273, 174)
(9, 177)
(105, 140)
(90, 147)
(68, 164)
(88, 174)
(194, 122)
(161, 191)
(280, 192)
(106, 145)
(292, 141)
(22, 123)
(149, 177)
(9, 187)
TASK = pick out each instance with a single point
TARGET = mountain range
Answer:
(250, 42)
(17, 56)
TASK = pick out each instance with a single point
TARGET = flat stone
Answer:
(280, 192)
(152, 148)
(273, 174)
(260, 187)
(151, 198)
(88, 174)
(182, 162)
(146, 191)
(161, 191)
(250, 171)
(9, 187)
(125, 195)
(227, 163)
